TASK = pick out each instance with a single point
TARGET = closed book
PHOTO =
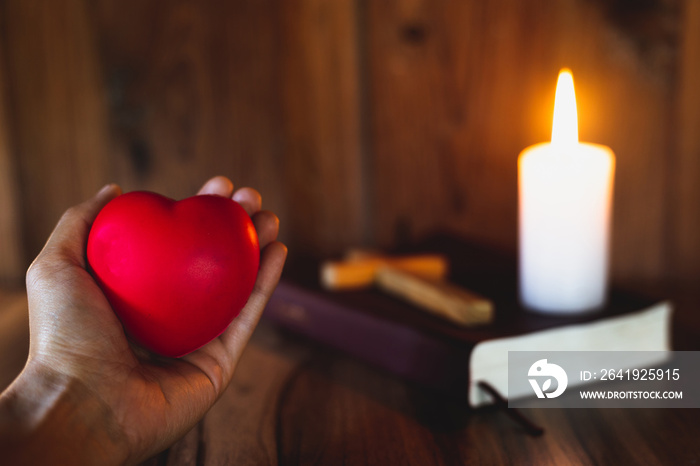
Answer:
(440, 355)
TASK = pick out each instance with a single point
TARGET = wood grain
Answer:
(324, 159)
(360, 122)
(265, 93)
(685, 184)
(14, 335)
(194, 92)
(57, 110)
(334, 410)
(11, 252)
(293, 402)
(458, 89)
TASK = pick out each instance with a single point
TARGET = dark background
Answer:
(361, 122)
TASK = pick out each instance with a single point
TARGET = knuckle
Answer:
(45, 272)
(76, 213)
(34, 272)
(70, 214)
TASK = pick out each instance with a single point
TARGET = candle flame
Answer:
(565, 122)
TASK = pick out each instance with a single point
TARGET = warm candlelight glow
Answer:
(565, 191)
(565, 122)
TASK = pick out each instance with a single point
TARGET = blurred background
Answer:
(361, 122)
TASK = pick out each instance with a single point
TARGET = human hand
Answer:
(120, 402)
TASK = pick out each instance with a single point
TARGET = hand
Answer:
(123, 403)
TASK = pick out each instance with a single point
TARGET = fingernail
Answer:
(106, 188)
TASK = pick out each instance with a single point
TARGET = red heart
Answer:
(176, 273)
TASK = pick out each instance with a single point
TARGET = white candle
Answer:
(565, 192)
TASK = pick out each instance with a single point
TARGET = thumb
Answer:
(68, 240)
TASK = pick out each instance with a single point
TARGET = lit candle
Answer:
(565, 193)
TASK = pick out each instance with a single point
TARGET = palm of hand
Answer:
(75, 332)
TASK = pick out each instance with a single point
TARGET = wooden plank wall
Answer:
(361, 122)
(460, 88)
(57, 111)
(11, 261)
(685, 200)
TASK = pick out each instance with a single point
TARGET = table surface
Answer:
(294, 402)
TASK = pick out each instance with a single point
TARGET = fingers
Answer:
(67, 242)
(240, 330)
(219, 185)
(90, 208)
(267, 225)
(249, 199)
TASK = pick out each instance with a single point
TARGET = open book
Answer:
(441, 355)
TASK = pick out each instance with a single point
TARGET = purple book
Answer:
(393, 335)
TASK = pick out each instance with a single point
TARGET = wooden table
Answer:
(293, 402)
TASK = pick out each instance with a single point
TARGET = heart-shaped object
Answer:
(175, 272)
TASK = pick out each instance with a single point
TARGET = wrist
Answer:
(48, 417)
